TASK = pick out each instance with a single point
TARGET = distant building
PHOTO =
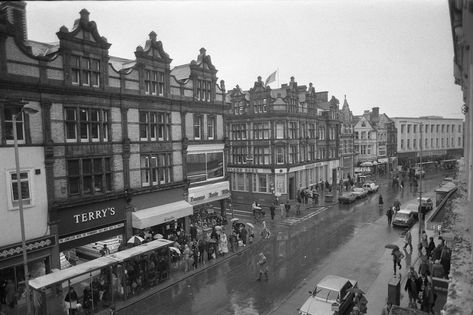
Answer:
(347, 141)
(375, 142)
(280, 141)
(439, 139)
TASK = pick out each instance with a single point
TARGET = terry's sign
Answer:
(92, 216)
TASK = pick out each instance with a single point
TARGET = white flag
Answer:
(271, 78)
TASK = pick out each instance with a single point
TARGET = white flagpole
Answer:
(278, 76)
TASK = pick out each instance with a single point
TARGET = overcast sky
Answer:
(394, 54)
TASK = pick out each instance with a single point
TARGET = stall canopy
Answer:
(96, 264)
(143, 219)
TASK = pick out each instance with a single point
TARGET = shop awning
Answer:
(161, 214)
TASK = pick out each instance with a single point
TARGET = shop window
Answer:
(156, 169)
(86, 124)
(204, 166)
(261, 131)
(198, 127)
(89, 176)
(26, 191)
(9, 112)
(261, 156)
(155, 126)
(211, 127)
(238, 132)
(85, 71)
(154, 82)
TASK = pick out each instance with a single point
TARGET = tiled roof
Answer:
(121, 63)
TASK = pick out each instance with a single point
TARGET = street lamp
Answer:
(421, 213)
(29, 110)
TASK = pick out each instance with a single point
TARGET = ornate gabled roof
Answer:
(203, 62)
(259, 86)
(237, 91)
(83, 25)
(153, 50)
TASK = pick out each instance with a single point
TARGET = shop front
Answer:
(39, 253)
(161, 212)
(209, 203)
(83, 230)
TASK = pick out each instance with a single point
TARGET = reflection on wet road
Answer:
(294, 252)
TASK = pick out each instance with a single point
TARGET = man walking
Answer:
(287, 206)
(389, 214)
(408, 240)
(263, 268)
(272, 210)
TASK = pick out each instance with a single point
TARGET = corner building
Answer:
(280, 141)
(129, 145)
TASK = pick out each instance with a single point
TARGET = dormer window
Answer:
(85, 71)
(203, 90)
(154, 82)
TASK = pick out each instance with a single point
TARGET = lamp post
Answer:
(421, 213)
(30, 110)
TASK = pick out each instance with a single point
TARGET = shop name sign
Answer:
(89, 233)
(210, 195)
(94, 215)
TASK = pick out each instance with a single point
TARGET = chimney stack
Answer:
(15, 12)
(375, 114)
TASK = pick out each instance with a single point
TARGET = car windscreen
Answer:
(402, 216)
(326, 294)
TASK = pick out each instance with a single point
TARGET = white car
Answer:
(331, 294)
(370, 187)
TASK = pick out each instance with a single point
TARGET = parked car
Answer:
(370, 187)
(426, 204)
(404, 218)
(331, 294)
(414, 207)
(347, 197)
(360, 192)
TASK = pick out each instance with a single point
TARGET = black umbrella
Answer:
(391, 246)
(356, 290)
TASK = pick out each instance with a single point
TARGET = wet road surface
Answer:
(347, 240)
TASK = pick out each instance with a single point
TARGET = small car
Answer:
(360, 192)
(347, 197)
(414, 207)
(426, 204)
(331, 294)
(371, 187)
(404, 218)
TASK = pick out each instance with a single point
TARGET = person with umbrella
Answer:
(397, 256)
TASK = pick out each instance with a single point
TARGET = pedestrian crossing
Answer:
(245, 215)
(295, 220)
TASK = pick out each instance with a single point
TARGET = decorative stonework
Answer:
(31, 246)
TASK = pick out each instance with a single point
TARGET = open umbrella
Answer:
(218, 227)
(175, 249)
(356, 290)
(135, 240)
(157, 236)
(251, 225)
(391, 246)
(234, 219)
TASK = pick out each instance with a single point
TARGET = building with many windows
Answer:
(280, 141)
(346, 152)
(375, 142)
(118, 146)
(439, 138)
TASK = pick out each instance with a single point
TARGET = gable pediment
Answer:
(84, 31)
(153, 50)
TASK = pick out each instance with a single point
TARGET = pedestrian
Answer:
(287, 206)
(380, 201)
(402, 184)
(223, 244)
(412, 287)
(397, 256)
(193, 232)
(438, 250)
(431, 246)
(71, 301)
(298, 209)
(423, 240)
(265, 233)
(445, 258)
(10, 294)
(105, 250)
(389, 214)
(187, 258)
(408, 240)
(282, 209)
(272, 210)
(263, 268)
(243, 235)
